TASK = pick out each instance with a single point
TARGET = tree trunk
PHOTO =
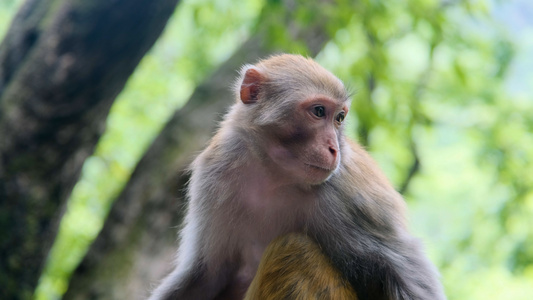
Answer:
(136, 246)
(62, 63)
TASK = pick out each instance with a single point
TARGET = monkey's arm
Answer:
(190, 278)
(189, 284)
(294, 267)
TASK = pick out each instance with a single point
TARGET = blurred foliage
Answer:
(8, 9)
(442, 99)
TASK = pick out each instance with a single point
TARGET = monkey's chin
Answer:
(316, 175)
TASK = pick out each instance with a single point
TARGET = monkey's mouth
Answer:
(318, 168)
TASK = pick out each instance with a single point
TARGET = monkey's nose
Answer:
(333, 151)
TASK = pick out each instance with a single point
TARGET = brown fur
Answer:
(294, 268)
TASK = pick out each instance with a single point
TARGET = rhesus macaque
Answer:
(280, 164)
(294, 267)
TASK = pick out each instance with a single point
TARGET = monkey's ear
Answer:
(251, 85)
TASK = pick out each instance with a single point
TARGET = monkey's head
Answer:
(296, 109)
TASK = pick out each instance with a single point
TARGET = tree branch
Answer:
(62, 63)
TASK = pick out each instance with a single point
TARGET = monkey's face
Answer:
(297, 107)
(305, 145)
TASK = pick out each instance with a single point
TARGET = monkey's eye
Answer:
(340, 117)
(319, 111)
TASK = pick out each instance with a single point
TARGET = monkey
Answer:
(294, 267)
(278, 164)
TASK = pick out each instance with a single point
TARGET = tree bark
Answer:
(62, 63)
(136, 246)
